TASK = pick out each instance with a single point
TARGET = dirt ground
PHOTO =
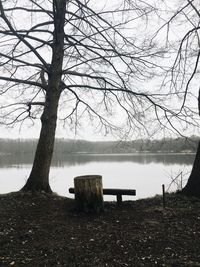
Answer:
(44, 230)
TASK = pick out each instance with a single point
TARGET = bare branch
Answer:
(20, 37)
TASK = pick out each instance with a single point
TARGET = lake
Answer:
(144, 172)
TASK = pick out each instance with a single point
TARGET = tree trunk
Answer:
(39, 176)
(192, 187)
(89, 193)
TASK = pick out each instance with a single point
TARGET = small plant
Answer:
(177, 181)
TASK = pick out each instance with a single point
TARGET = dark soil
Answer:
(44, 230)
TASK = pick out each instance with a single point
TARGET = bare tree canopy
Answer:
(178, 34)
(76, 59)
(106, 61)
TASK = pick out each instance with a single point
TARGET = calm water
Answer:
(145, 172)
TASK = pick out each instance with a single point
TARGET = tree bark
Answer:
(39, 176)
(89, 193)
(192, 187)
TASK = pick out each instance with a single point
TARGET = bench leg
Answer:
(119, 199)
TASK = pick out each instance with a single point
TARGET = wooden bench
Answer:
(115, 192)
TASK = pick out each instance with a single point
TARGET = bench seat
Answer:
(113, 191)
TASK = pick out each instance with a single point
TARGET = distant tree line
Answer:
(66, 146)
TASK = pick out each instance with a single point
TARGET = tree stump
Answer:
(88, 191)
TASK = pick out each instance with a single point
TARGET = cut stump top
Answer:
(88, 177)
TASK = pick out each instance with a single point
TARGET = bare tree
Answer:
(182, 25)
(78, 60)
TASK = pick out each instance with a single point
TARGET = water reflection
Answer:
(143, 172)
(62, 160)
